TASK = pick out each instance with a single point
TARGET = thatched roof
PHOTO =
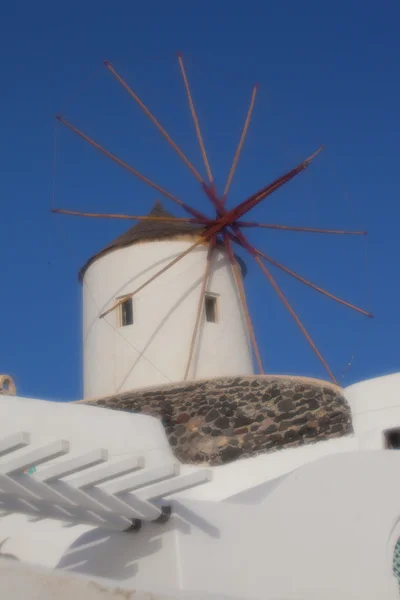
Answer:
(150, 230)
(146, 230)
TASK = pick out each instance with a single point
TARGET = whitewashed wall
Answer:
(326, 531)
(154, 350)
(375, 407)
(322, 530)
(86, 428)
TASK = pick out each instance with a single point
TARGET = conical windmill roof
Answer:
(150, 230)
(146, 230)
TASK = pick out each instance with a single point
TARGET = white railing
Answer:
(118, 495)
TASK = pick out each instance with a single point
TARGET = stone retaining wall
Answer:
(219, 420)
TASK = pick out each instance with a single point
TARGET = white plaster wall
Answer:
(87, 428)
(247, 474)
(375, 407)
(327, 531)
(154, 350)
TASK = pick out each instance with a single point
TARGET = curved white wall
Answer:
(154, 350)
(375, 407)
(86, 428)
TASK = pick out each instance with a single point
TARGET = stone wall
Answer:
(219, 420)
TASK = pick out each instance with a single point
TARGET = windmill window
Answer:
(210, 305)
(127, 312)
(392, 439)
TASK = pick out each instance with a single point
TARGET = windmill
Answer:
(227, 228)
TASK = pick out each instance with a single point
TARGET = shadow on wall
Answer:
(90, 554)
(6, 554)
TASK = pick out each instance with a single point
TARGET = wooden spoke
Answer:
(200, 305)
(227, 224)
(146, 283)
(240, 238)
(294, 315)
(310, 158)
(195, 119)
(156, 123)
(228, 218)
(129, 217)
(240, 146)
(117, 160)
(305, 229)
(213, 229)
(256, 198)
(242, 295)
(312, 285)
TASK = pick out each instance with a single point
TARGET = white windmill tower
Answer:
(192, 322)
(150, 338)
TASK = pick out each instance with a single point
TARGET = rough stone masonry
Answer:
(216, 421)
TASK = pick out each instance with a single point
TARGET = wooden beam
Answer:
(240, 146)
(121, 163)
(163, 270)
(312, 285)
(229, 218)
(195, 119)
(294, 315)
(252, 251)
(154, 121)
(242, 295)
(200, 305)
(256, 198)
(305, 229)
(129, 217)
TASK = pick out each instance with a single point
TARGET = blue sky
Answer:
(328, 74)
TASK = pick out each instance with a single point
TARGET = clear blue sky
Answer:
(328, 73)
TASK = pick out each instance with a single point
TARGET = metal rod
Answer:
(306, 229)
(156, 123)
(240, 146)
(195, 119)
(242, 295)
(146, 283)
(312, 285)
(129, 217)
(117, 160)
(200, 304)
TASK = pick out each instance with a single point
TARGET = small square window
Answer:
(127, 312)
(210, 305)
(392, 439)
